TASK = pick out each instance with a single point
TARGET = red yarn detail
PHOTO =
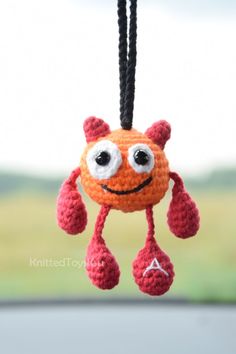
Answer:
(152, 269)
(95, 128)
(159, 133)
(183, 215)
(101, 265)
(150, 222)
(71, 211)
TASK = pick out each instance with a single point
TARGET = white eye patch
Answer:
(141, 158)
(103, 159)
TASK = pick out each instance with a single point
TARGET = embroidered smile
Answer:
(128, 191)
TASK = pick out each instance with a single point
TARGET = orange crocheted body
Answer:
(126, 178)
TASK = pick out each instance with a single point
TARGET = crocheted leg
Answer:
(101, 265)
(183, 215)
(152, 269)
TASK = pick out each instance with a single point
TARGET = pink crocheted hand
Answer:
(71, 211)
(183, 216)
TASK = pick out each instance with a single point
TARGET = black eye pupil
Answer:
(141, 157)
(103, 158)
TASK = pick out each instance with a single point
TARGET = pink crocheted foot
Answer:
(71, 211)
(152, 269)
(101, 265)
(183, 215)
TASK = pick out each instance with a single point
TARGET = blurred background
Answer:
(59, 65)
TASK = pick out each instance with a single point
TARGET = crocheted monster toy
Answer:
(128, 171)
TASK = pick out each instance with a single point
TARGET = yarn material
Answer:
(159, 133)
(71, 211)
(122, 24)
(183, 215)
(156, 281)
(126, 177)
(128, 171)
(115, 160)
(127, 65)
(141, 168)
(95, 128)
(153, 271)
(128, 189)
(101, 265)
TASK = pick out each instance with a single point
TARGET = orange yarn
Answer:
(126, 178)
(128, 171)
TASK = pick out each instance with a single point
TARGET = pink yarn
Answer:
(183, 215)
(152, 269)
(101, 265)
(71, 211)
(95, 128)
(159, 133)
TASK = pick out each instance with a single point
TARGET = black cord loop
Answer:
(127, 61)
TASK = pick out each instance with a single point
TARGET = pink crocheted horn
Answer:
(71, 211)
(159, 133)
(183, 215)
(95, 128)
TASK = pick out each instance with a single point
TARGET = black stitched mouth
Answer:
(128, 191)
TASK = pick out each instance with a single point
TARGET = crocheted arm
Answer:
(183, 215)
(71, 211)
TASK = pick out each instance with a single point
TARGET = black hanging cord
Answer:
(127, 61)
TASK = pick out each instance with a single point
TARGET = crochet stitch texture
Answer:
(132, 173)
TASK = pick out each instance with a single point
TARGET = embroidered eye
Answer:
(103, 159)
(141, 158)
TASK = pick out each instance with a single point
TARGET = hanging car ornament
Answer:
(128, 171)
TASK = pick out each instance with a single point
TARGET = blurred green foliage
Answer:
(205, 265)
